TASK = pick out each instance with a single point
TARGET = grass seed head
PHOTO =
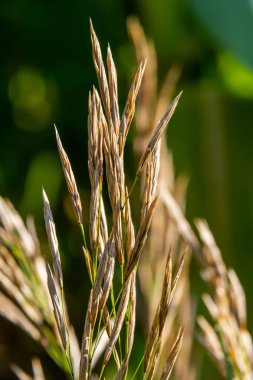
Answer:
(70, 180)
(52, 239)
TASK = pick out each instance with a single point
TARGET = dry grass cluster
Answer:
(32, 291)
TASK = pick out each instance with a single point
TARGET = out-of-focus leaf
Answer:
(230, 22)
(33, 99)
(237, 77)
(44, 171)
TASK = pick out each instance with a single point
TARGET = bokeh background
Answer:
(46, 73)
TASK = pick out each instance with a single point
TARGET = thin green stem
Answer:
(228, 364)
(127, 333)
(90, 270)
(118, 296)
(99, 336)
(153, 358)
(137, 369)
(91, 339)
(122, 275)
(53, 349)
(90, 349)
(131, 190)
(114, 314)
(113, 302)
(101, 373)
(127, 328)
(83, 235)
(104, 328)
(67, 351)
(120, 350)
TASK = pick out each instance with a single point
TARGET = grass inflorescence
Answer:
(152, 250)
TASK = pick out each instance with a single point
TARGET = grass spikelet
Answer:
(154, 341)
(58, 313)
(113, 91)
(21, 375)
(37, 369)
(52, 239)
(101, 73)
(156, 136)
(31, 311)
(227, 331)
(24, 272)
(129, 109)
(172, 356)
(140, 241)
(108, 275)
(70, 180)
(95, 165)
(130, 232)
(12, 313)
(145, 110)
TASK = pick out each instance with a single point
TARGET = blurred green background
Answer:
(46, 73)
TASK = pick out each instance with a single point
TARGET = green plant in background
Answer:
(222, 19)
(33, 294)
